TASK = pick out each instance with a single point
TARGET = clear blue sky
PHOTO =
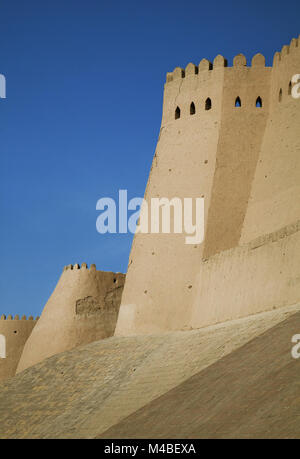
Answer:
(82, 115)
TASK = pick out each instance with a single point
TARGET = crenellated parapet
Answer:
(77, 266)
(219, 62)
(286, 63)
(248, 85)
(211, 86)
(17, 317)
(280, 57)
(90, 272)
(238, 61)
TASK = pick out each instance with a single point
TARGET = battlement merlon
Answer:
(239, 61)
(219, 62)
(85, 269)
(286, 52)
(77, 266)
(17, 317)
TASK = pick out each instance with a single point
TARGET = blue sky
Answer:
(82, 116)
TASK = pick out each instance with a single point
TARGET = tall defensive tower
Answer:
(230, 135)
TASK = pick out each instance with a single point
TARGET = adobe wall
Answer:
(240, 138)
(275, 195)
(16, 332)
(161, 270)
(83, 308)
(259, 276)
(221, 154)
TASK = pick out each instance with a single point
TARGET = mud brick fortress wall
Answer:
(232, 136)
(15, 331)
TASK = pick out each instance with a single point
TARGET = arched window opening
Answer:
(208, 104)
(280, 95)
(177, 113)
(238, 102)
(290, 88)
(192, 109)
(259, 102)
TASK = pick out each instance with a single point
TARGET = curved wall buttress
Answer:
(83, 308)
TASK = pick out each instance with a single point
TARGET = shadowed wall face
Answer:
(83, 308)
(275, 195)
